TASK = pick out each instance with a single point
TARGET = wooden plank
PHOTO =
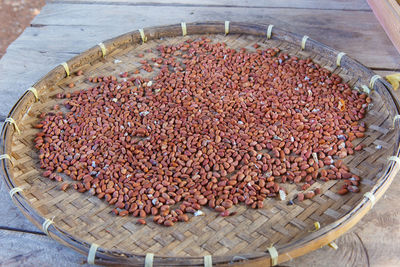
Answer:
(372, 242)
(22, 249)
(388, 14)
(310, 4)
(39, 49)
(353, 30)
(350, 253)
(20, 69)
(56, 39)
(10, 215)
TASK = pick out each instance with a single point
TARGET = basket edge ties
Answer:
(35, 92)
(339, 58)
(394, 158)
(371, 197)
(15, 190)
(395, 119)
(148, 260)
(46, 224)
(269, 31)
(103, 49)
(207, 261)
(143, 36)
(14, 123)
(317, 226)
(6, 156)
(66, 68)
(373, 80)
(92, 253)
(304, 41)
(274, 255)
(184, 28)
(226, 27)
(366, 89)
(235, 258)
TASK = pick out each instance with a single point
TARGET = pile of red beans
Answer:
(214, 127)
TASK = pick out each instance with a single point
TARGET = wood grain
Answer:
(309, 4)
(20, 69)
(10, 216)
(22, 249)
(388, 14)
(374, 241)
(357, 33)
(350, 253)
(52, 40)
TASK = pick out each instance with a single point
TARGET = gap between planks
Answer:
(6, 228)
(352, 5)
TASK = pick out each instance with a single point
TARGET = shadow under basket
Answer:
(254, 237)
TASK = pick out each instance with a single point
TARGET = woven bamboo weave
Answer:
(83, 219)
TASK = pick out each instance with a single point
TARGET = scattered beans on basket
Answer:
(214, 127)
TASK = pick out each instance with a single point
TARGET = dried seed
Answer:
(212, 140)
(123, 213)
(219, 209)
(343, 191)
(309, 195)
(353, 188)
(225, 213)
(168, 223)
(64, 186)
(141, 221)
(183, 218)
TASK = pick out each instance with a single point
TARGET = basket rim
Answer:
(287, 251)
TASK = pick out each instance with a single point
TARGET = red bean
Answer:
(214, 126)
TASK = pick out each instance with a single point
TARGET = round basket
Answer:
(257, 237)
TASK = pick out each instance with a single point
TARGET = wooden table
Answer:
(65, 28)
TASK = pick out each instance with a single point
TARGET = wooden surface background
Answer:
(65, 28)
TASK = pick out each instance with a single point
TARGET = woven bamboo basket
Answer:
(261, 237)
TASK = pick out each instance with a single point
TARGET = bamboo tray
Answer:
(83, 222)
